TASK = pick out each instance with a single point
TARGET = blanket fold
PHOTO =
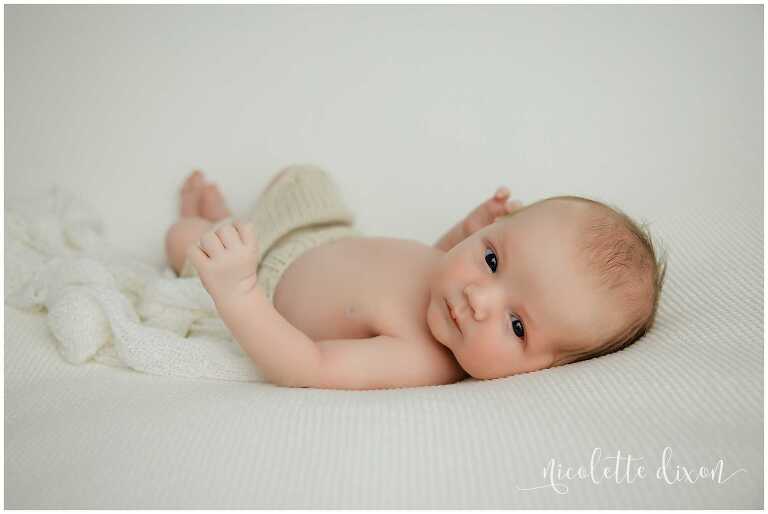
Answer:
(104, 305)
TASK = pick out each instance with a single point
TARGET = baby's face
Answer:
(520, 293)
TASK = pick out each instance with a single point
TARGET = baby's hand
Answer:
(226, 261)
(489, 211)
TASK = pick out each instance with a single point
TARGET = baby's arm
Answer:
(481, 216)
(285, 355)
(383, 362)
(226, 262)
(288, 357)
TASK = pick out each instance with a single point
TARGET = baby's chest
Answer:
(352, 288)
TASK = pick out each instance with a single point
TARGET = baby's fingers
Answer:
(228, 236)
(246, 233)
(197, 257)
(211, 244)
(501, 206)
(512, 205)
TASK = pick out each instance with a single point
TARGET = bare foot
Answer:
(212, 206)
(190, 195)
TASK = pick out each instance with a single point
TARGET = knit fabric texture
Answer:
(101, 304)
(302, 209)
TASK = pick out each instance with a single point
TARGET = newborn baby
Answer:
(509, 289)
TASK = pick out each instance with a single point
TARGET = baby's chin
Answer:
(436, 323)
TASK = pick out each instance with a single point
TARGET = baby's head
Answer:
(560, 281)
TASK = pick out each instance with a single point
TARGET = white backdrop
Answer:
(420, 111)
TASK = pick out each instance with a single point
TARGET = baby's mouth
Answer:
(453, 316)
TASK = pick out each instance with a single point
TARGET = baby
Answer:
(509, 289)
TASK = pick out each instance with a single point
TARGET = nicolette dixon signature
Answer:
(627, 469)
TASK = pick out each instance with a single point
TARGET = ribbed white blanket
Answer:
(89, 437)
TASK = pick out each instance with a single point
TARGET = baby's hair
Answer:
(622, 255)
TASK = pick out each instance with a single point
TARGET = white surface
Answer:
(420, 112)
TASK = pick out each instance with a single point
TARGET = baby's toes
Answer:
(190, 195)
(212, 204)
(194, 181)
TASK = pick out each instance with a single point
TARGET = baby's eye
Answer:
(490, 258)
(517, 326)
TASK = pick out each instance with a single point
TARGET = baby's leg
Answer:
(183, 234)
(201, 207)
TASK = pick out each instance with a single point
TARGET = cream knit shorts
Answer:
(301, 210)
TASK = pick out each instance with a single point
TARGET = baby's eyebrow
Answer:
(524, 312)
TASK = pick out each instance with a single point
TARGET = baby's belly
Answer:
(327, 292)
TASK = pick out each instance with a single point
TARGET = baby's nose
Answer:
(480, 300)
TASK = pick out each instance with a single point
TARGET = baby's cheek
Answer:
(504, 355)
(441, 275)
(486, 352)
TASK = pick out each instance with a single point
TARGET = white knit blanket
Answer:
(102, 304)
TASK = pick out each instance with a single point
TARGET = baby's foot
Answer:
(190, 195)
(212, 206)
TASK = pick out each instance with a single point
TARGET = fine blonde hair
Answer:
(622, 256)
